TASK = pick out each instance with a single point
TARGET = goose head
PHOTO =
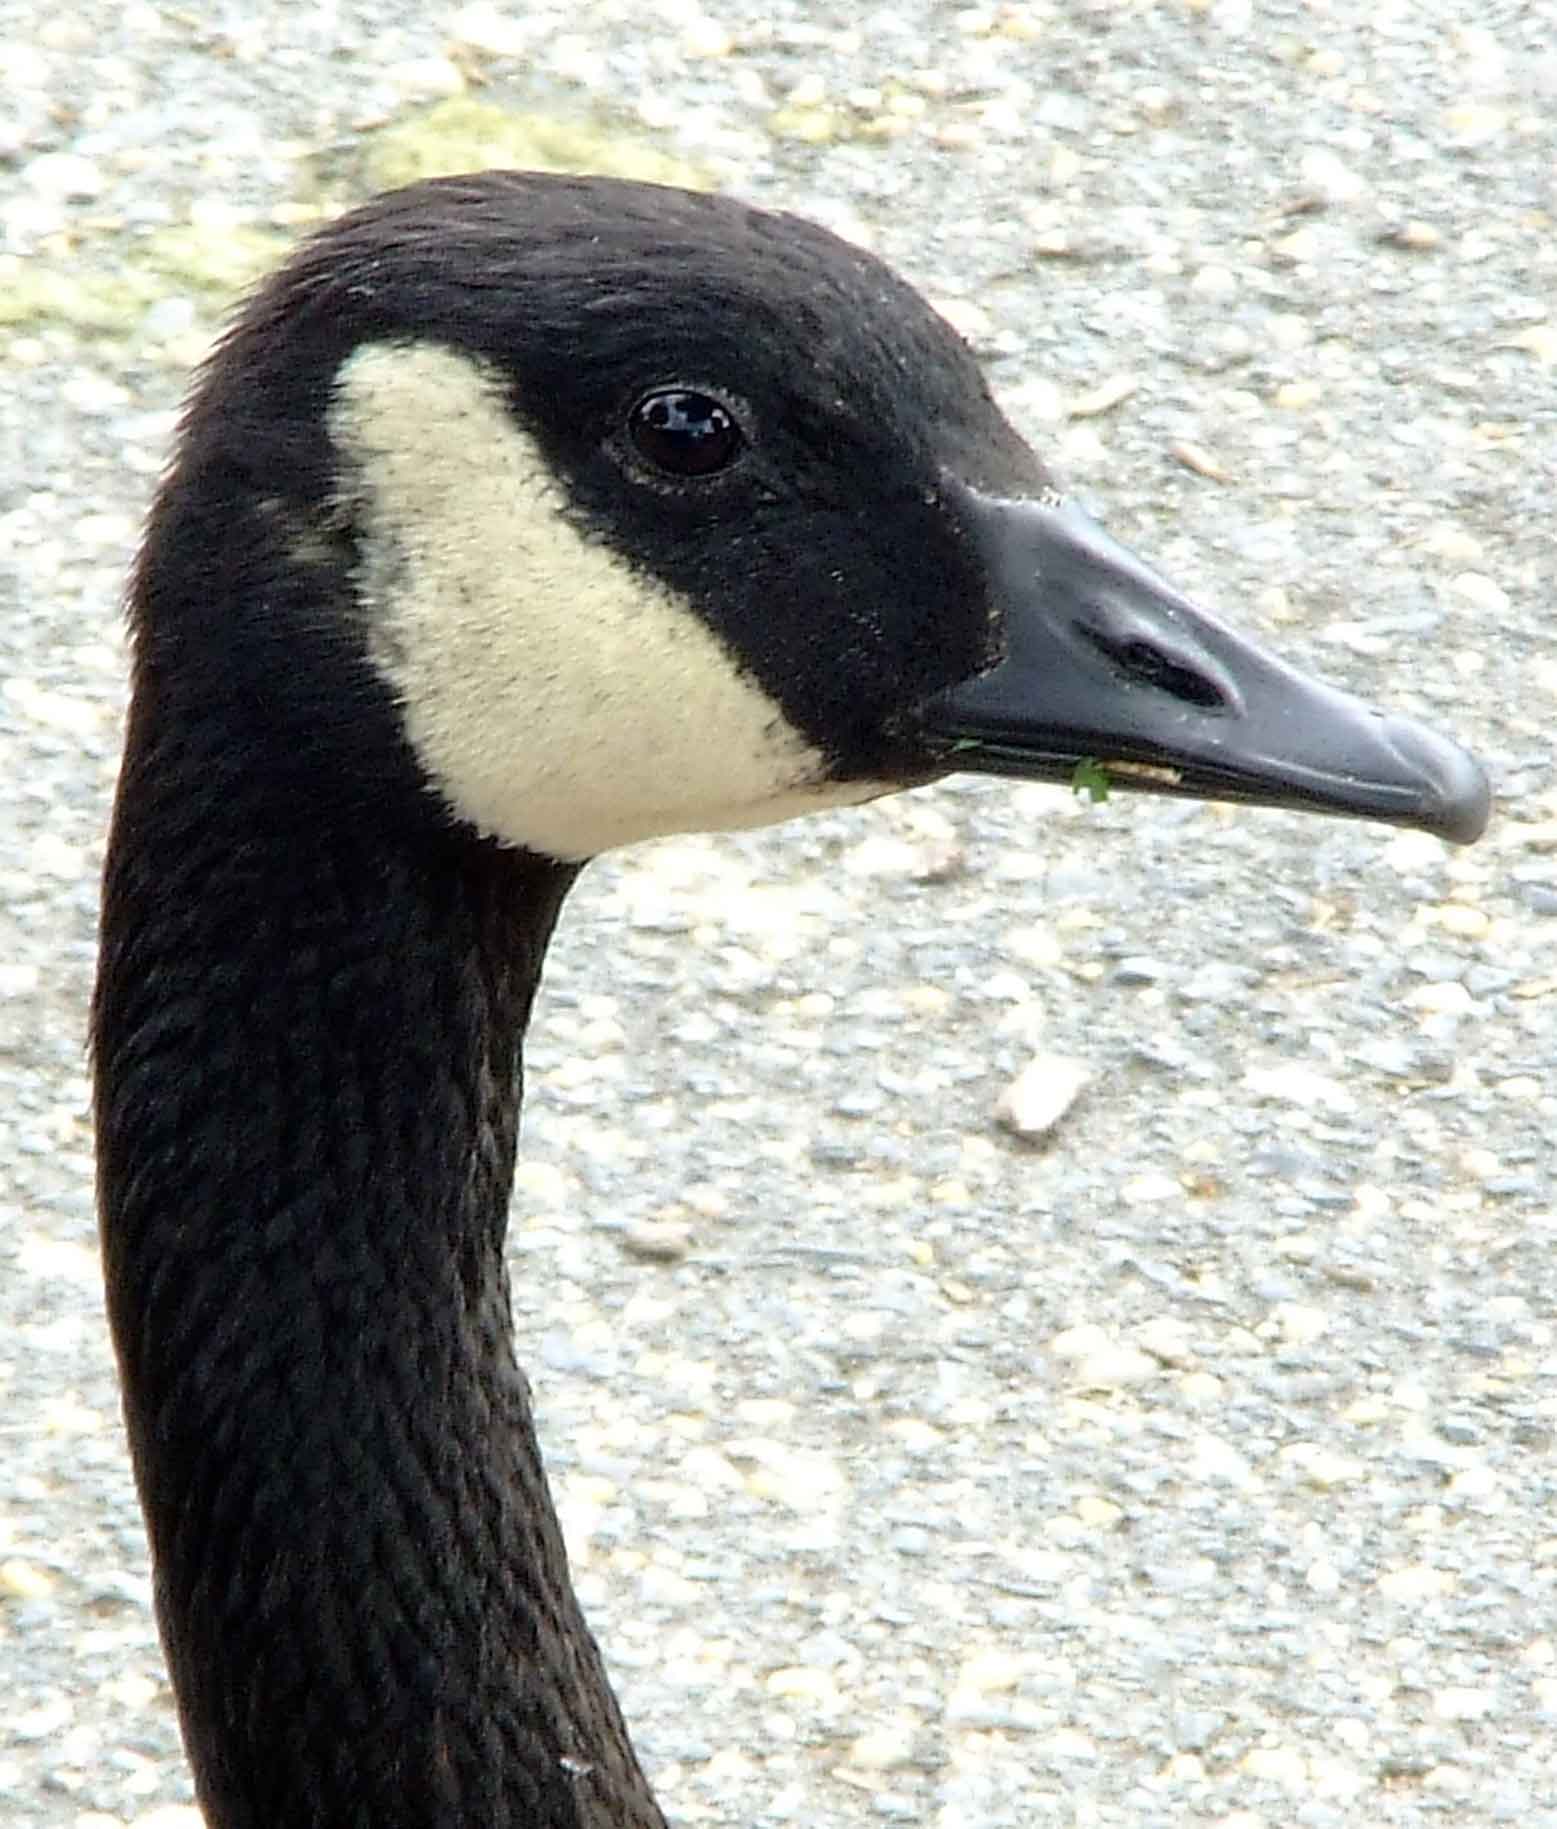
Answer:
(518, 518)
(634, 511)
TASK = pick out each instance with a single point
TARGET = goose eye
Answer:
(684, 433)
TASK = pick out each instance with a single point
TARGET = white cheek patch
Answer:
(556, 697)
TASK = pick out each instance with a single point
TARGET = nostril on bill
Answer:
(1153, 663)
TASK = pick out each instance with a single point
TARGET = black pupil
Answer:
(685, 433)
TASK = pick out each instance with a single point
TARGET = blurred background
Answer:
(1040, 1312)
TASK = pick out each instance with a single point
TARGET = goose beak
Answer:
(1104, 662)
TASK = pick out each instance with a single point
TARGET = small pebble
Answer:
(1138, 969)
(658, 1241)
(1481, 592)
(65, 176)
(705, 37)
(487, 29)
(24, 1580)
(1104, 397)
(1200, 460)
(1041, 1094)
(1325, 173)
(1417, 1582)
(1100, 1362)
(1295, 1084)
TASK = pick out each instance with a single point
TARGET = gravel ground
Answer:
(1196, 1465)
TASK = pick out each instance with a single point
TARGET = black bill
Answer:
(1106, 663)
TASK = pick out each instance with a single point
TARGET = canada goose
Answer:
(515, 519)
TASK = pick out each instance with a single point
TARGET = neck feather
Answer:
(307, 1052)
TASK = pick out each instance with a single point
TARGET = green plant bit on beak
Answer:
(1090, 777)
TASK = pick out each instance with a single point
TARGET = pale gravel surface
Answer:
(1200, 1467)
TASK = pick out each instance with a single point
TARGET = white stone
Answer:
(1146, 1190)
(19, 980)
(1219, 1463)
(884, 1749)
(1298, 1323)
(1327, 174)
(1282, 1765)
(1294, 1084)
(64, 176)
(1417, 1581)
(482, 27)
(1041, 1094)
(1480, 591)
(1463, 1704)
